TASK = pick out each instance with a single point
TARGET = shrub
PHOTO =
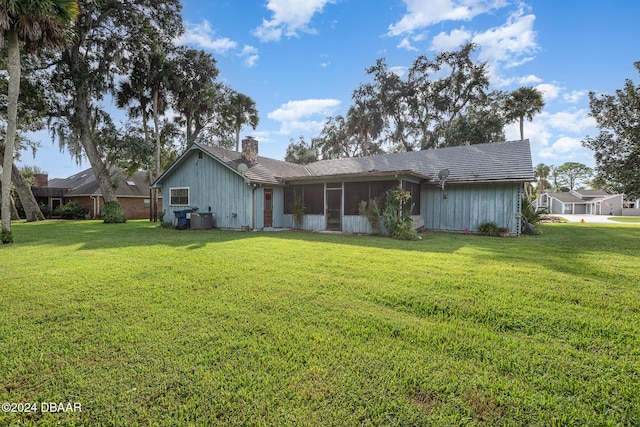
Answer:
(112, 213)
(71, 210)
(530, 217)
(371, 211)
(488, 229)
(44, 209)
(398, 223)
(7, 238)
(298, 210)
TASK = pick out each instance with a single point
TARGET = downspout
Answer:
(253, 207)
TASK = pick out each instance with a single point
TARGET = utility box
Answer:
(202, 221)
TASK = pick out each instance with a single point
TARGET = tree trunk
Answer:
(98, 166)
(23, 188)
(521, 128)
(238, 140)
(156, 173)
(14, 210)
(13, 53)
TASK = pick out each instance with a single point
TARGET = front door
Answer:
(268, 208)
(334, 209)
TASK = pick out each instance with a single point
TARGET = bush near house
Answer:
(112, 213)
(71, 210)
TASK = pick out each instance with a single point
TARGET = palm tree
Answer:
(242, 111)
(541, 171)
(521, 103)
(36, 23)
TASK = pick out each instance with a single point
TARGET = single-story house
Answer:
(452, 189)
(83, 187)
(587, 202)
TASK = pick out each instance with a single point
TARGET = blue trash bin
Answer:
(182, 222)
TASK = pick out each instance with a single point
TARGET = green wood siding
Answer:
(211, 185)
(469, 205)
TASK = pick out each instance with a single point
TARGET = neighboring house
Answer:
(587, 202)
(132, 192)
(245, 191)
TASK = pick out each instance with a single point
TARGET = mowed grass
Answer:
(625, 219)
(150, 326)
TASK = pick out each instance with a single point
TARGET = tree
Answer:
(240, 111)
(148, 85)
(197, 96)
(541, 172)
(572, 173)
(617, 146)
(110, 34)
(441, 102)
(34, 23)
(301, 152)
(522, 103)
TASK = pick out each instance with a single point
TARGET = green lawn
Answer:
(625, 218)
(149, 326)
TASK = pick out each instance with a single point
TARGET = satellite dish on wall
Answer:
(443, 174)
(242, 168)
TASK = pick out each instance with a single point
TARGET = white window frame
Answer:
(179, 188)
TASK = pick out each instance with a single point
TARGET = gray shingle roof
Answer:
(499, 161)
(266, 170)
(84, 183)
(566, 197)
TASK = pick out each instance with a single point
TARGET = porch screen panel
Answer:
(354, 193)
(313, 196)
(289, 194)
(414, 191)
(378, 191)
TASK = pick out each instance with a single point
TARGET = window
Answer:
(179, 196)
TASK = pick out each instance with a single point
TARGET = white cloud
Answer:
(511, 44)
(556, 137)
(250, 55)
(294, 110)
(566, 145)
(549, 91)
(577, 122)
(204, 36)
(289, 18)
(530, 79)
(406, 44)
(421, 13)
(450, 41)
(574, 96)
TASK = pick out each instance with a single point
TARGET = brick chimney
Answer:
(250, 149)
(41, 180)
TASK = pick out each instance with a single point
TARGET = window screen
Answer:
(179, 196)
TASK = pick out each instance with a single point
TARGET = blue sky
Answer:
(300, 60)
